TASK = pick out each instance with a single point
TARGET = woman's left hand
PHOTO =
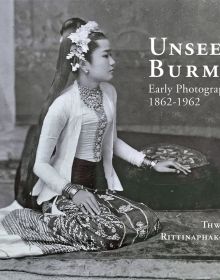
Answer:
(171, 166)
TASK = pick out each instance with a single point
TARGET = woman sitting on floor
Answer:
(78, 134)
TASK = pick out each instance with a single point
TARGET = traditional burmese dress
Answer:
(121, 221)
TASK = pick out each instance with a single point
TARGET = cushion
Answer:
(197, 190)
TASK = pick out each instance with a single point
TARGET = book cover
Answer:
(168, 95)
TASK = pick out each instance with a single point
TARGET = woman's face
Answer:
(102, 64)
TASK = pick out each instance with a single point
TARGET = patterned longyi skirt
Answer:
(121, 222)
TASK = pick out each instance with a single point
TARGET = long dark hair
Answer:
(63, 68)
(25, 178)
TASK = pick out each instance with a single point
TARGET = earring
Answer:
(86, 71)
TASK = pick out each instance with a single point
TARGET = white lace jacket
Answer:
(61, 129)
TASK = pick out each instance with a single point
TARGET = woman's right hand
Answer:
(171, 166)
(87, 201)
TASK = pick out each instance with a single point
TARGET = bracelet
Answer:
(71, 189)
(144, 163)
(151, 163)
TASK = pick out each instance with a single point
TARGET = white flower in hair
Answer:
(75, 66)
(80, 40)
